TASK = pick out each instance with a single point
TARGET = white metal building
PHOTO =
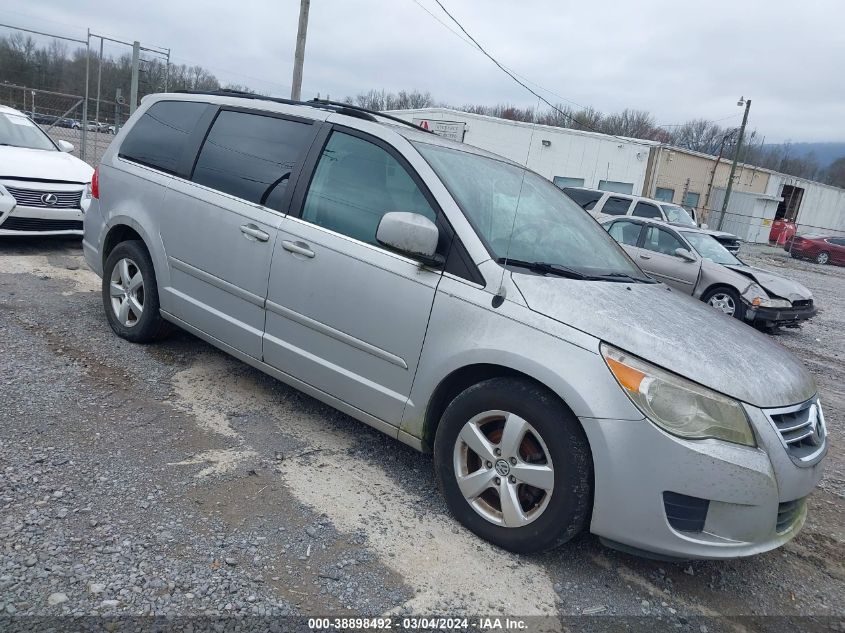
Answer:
(588, 159)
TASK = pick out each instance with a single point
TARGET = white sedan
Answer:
(43, 189)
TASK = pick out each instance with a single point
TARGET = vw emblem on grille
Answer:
(49, 198)
(816, 436)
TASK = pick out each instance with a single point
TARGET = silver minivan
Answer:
(464, 305)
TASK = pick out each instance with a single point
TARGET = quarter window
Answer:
(251, 156)
(625, 232)
(356, 182)
(616, 206)
(160, 136)
(646, 210)
(661, 241)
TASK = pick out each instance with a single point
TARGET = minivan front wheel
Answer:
(514, 465)
(130, 294)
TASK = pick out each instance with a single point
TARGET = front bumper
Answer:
(27, 215)
(749, 490)
(778, 316)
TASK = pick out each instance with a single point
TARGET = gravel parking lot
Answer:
(174, 480)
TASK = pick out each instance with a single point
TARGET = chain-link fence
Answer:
(60, 115)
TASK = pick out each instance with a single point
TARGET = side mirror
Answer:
(411, 234)
(65, 146)
(685, 254)
(704, 226)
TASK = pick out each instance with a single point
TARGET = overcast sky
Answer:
(678, 60)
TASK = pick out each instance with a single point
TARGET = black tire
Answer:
(739, 309)
(822, 258)
(568, 508)
(150, 326)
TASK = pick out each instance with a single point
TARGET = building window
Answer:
(691, 200)
(616, 187)
(664, 194)
(565, 181)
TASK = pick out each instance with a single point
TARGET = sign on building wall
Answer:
(453, 130)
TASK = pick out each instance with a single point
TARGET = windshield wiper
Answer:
(545, 268)
(626, 277)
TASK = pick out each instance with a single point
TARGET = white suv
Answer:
(43, 189)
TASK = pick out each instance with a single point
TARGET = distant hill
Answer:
(825, 153)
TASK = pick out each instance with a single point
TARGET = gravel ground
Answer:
(174, 480)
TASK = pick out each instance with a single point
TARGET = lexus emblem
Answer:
(49, 199)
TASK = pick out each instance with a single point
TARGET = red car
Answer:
(822, 250)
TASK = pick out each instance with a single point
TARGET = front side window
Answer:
(661, 241)
(566, 181)
(356, 182)
(646, 210)
(625, 232)
(616, 206)
(18, 131)
(159, 137)
(251, 156)
(678, 215)
(520, 215)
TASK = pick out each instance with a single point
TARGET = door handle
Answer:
(299, 248)
(645, 256)
(253, 231)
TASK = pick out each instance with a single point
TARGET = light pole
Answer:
(747, 103)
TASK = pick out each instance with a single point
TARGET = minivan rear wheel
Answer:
(514, 465)
(130, 294)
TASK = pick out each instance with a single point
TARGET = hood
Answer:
(677, 333)
(718, 234)
(39, 164)
(773, 284)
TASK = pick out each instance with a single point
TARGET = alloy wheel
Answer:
(724, 302)
(126, 289)
(822, 258)
(503, 468)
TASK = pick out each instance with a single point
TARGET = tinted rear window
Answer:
(646, 210)
(616, 206)
(585, 199)
(160, 136)
(251, 156)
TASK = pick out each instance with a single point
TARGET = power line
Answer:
(528, 88)
(475, 47)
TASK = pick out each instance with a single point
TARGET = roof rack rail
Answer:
(349, 106)
(334, 106)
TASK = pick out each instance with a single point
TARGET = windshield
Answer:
(709, 248)
(18, 131)
(540, 225)
(677, 214)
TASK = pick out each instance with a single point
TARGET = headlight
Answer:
(770, 303)
(757, 297)
(677, 405)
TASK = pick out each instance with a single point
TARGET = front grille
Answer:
(13, 223)
(685, 513)
(34, 198)
(802, 430)
(789, 512)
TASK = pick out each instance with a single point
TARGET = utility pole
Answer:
(729, 187)
(133, 87)
(715, 167)
(299, 55)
